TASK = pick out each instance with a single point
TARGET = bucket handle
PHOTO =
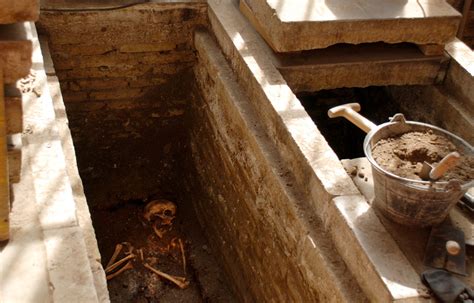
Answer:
(350, 112)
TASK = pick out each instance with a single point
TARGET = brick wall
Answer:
(135, 53)
(271, 249)
(126, 78)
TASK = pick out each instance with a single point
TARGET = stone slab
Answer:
(289, 25)
(18, 11)
(68, 266)
(15, 51)
(23, 273)
(374, 64)
(83, 214)
(381, 268)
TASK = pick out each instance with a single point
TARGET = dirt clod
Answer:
(404, 155)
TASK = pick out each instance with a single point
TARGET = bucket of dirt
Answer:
(397, 150)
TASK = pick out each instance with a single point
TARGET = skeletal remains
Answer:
(161, 214)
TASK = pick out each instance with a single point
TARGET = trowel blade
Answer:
(436, 255)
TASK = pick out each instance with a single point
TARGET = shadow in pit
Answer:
(345, 138)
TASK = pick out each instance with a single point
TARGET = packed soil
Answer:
(181, 251)
(404, 155)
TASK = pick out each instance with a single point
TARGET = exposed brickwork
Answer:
(272, 251)
(135, 53)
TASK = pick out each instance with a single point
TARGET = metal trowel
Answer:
(446, 249)
(429, 172)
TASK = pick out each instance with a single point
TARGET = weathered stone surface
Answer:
(23, 259)
(18, 11)
(15, 51)
(113, 59)
(147, 47)
(360, 66)
(291, 260)
(83, 214)
(289, 26)
(380, 267)
(70, 275)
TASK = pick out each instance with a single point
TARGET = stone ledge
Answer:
(83, 214)
(64, 273)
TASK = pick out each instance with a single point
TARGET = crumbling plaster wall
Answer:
(126, 78)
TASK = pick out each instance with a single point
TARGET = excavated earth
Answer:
(404, 155)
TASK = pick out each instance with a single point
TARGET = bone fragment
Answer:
(181, 246)
(118, 249)
(178, 281)
(121, 270)
(118, 263)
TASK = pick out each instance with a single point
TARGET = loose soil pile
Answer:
(404, 155)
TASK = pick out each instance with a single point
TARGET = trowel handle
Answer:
(444, 165)
(349, 111)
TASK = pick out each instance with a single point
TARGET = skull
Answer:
(164, 209)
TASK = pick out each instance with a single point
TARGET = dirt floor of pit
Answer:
(127, 158)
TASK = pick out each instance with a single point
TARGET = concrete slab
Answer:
(374, 64)
(289, 25)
